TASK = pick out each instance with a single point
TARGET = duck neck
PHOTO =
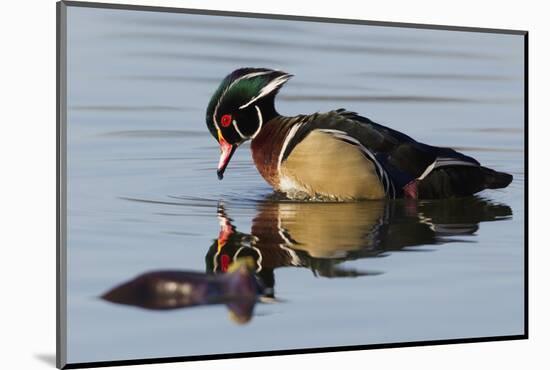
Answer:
(267, 107)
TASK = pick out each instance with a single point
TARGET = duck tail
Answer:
(496, 180)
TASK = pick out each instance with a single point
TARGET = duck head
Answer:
(243, 102)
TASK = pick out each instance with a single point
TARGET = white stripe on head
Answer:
(216, 123)
(267, 89)
(260, 122)
(249, 75)
(238, 131)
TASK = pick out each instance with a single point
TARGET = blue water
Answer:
(143, 193)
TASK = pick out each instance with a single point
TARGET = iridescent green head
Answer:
(243, 102)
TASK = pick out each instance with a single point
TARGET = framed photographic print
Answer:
(236, 184)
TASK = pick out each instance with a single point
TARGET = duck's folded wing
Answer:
(399, 158)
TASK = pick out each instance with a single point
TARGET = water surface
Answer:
(143, 193)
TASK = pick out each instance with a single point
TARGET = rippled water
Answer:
(143, 193)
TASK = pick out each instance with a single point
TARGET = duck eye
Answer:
(226, 120)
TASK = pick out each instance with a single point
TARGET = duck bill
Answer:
(227, 151)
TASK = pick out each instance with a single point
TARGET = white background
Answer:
(27, 148)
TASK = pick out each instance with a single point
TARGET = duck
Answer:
(337, 155)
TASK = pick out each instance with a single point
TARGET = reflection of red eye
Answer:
(225, 261)
(226, 120)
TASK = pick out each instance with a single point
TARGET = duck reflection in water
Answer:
(318, 236)
(321, 236)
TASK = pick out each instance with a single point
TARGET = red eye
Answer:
(226, 120)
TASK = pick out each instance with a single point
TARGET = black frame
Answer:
(61, 217)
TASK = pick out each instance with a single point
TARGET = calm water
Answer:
(143, 193)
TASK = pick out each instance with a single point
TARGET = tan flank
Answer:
(331, 230)
(323, 165)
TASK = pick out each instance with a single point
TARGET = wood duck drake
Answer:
(338, 155)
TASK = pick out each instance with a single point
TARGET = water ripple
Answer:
(396, 99)
(324, 47)
(439, 76)
(155, 134)
(210, 58)
(126, 108)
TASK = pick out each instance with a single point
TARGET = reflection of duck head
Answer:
(322, 235)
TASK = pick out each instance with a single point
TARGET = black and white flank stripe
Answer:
(387, 183)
